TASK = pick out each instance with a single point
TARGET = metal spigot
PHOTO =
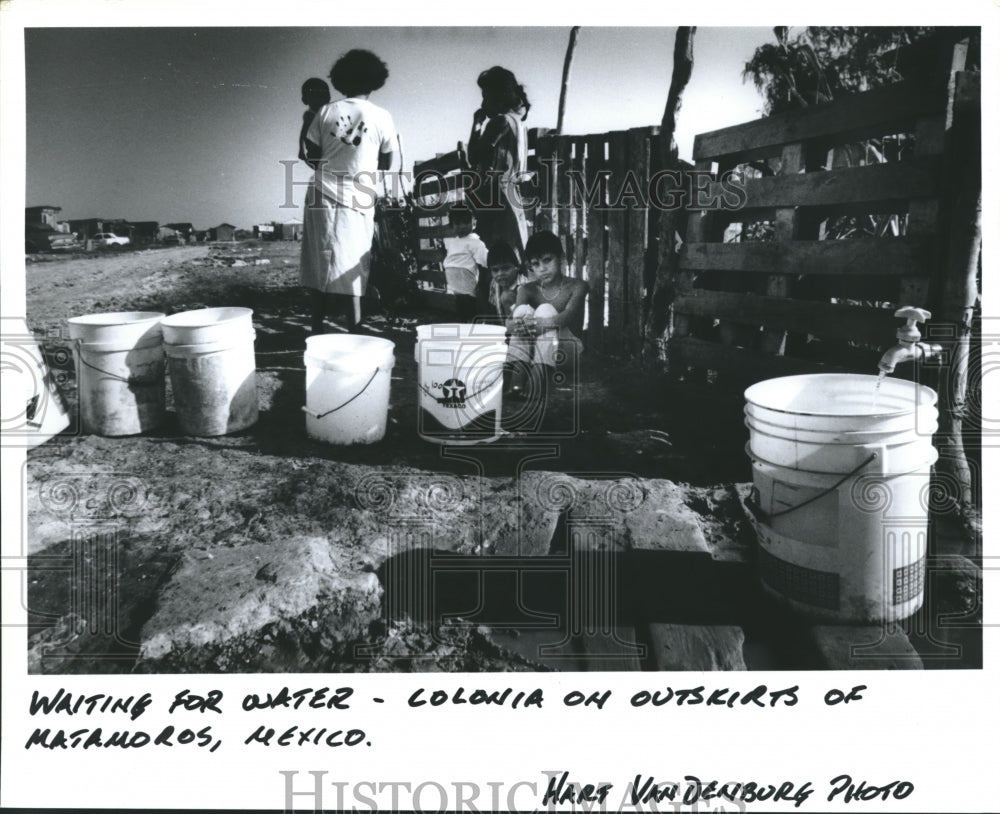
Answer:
(908, 347)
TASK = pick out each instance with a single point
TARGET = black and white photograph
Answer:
(403, 412)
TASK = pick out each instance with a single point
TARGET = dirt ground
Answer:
(200, 515)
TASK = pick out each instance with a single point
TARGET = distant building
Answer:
(42, 216)
(87, 227)
(291, 230)
(223, 232)
(144, 231)
(167, 235)
(185, 230)
(265, 231)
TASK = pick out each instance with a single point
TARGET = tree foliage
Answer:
(820, 64)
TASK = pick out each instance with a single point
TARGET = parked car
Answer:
(109, 239)
(45, 239)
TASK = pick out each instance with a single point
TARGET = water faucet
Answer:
(908, 346)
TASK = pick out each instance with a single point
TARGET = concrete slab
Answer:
(697, 647)
(864, 647)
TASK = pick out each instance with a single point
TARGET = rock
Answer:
(864, 647)
(697, 647)
(957, 585)
(524, 514)
(662, 520)
(720, 512)
(214, 613)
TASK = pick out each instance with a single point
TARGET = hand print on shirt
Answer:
(349, 132)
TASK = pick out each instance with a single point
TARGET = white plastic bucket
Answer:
(120, 363)
(33, 409)
(347, 388)
(841, 481)
(213, 371)
(460, 382)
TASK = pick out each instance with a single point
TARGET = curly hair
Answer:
(503, 86)
(358, 72)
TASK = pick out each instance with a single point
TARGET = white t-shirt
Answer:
(461, 264)
(351, 133)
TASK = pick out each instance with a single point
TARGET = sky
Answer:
(191, 124)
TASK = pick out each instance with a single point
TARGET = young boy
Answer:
(465, 253)
(505, 277)
(548, 314)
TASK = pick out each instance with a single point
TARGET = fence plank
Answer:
(618, 145)
(545, 149)
(439, 209)
(434, 276)
(579, 212)
(430, 256)
(437, 185)
(891, 256)
(444, 163)
(703, 227)
(892, 109)
(826, 320)
(435, 232)
(637, 232)
(793, 161)
(923, 217)
(871, 186)
(563, 219)
(593, 165)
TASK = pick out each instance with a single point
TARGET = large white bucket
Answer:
(213, 371)
(33, 409)
(347, 388)
(460, 382)
(841, 481)
(121, 385)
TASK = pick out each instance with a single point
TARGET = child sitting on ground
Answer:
(547, 322)
(465, 253)
(505, 277)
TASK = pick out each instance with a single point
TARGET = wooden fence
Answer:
(591, 191)
(766, 282)
(802, 298)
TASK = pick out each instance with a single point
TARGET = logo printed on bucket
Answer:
(454, 394)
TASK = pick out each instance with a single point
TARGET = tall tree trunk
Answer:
(567, 65)
(671, 221)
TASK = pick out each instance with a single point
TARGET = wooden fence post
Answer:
(596, 252)
(614, 340)
(959, 292)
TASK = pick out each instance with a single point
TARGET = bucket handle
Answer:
(356, 395)
(134, 381)
(763, 517)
